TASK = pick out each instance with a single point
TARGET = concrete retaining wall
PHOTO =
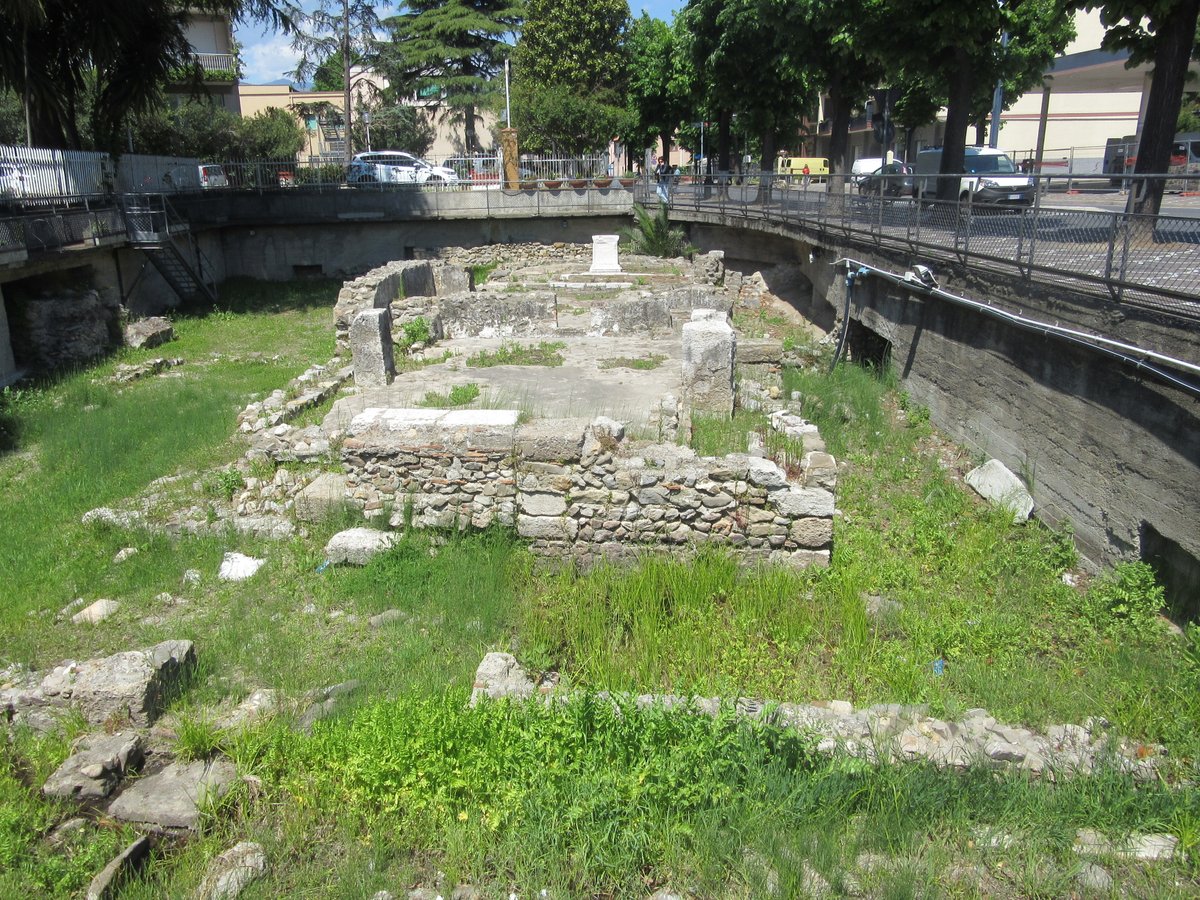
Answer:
(577, 490)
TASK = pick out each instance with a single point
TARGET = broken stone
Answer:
(1000, 487)
(326, 701)
(105, 884)
(259, 704)
(149, 332)
(357, 546)
(237, 567)
(99, 762)
(96, 612)
(230, 872)
(324, 496)
(174, 798)
(500, 675)
(124, 554)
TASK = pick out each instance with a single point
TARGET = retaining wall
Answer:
(578, 490)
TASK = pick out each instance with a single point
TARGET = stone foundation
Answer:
(577, 489)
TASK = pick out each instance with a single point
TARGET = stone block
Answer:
(324, 496)
(550, 528)
(800, 502)
(708, 354)
(371, 348)
(820, 469)
(630, 315)
(149, 332)
(500, 675)
(136, 684)
(97, 765)
(232, 871)
(543, 504)
(812, 532)
(761, 352)
(449, 279)
(174, 798)
(357, 546)
(551, 440)
(1000, 487)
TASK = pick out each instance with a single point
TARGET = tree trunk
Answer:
(1174, 42)
(839, 141)
(470, 139)
(724, 142)
(767, 166)
(346, 73)
(980, 132)
(958, 115)
(665, 137)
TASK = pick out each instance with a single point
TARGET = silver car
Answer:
(384, 167)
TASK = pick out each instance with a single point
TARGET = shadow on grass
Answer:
(247, 295)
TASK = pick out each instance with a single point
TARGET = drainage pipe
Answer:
(1130, 354)
(851, 274)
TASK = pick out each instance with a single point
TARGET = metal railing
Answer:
(1152, 261)
(53, 228)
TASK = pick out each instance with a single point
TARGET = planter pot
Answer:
(552, 185)
(601, 182)
(627, 182)
(579, 183)
(528, 185)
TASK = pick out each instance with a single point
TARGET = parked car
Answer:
(396, 167)
(864, 166)
(12, 182)
(989, 177)
(213, 176)
(893, 180)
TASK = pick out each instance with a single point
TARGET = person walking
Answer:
(663, 174)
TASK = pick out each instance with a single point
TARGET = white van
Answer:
(869, 164)
(989, 177)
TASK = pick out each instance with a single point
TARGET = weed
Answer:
(460, 395)
(224, 483)
(415, 332)
(480, 273)
(544, 353)
(642, 363)
(1126, 601)
(197, 737)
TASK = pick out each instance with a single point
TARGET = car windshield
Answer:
(1000, 164)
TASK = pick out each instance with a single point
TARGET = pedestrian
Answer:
(663, 174)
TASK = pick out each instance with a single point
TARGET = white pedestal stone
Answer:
(604, 255)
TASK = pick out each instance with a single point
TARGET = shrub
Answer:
(654, 236)
(415, 332)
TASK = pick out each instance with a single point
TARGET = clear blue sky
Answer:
(267, 55)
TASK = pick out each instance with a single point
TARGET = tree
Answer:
(569, 72)
(201, 129)
(99, 63)
(1162, 32)
(454, 47)
(343, 27)
(397, 127)
(270, 134)
(656, 98)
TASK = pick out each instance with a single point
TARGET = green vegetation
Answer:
(642, 363)
(480, 273)
(575, 798)
(415, 332)
(460, 395)
(653, 235)
(511, 353)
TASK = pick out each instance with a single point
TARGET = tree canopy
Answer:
(78, 61)
(569, 71)
(452, 49)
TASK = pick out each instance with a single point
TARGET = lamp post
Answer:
(366, 120)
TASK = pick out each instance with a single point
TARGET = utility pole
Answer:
(346, 72)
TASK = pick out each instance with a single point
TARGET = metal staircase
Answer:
(153, 227)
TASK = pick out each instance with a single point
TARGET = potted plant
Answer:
(579, 183)
(553, 183)
(628, 180)
(602, 181)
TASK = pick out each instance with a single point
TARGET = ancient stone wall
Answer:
(578, 489)
(397, 280)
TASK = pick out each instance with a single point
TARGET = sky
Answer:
(266, 56)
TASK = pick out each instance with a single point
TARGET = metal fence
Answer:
(54, 227)
(32, 173)
(1152, 261)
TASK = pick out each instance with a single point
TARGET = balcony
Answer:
(217, 66)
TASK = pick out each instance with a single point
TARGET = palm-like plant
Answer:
(652, 235)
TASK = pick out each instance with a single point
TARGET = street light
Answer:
(366, 119)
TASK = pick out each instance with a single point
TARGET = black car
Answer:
(895, 179)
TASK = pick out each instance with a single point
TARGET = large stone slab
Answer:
(98, 764)
(551, 440)
(108, 880)
(371, 348)
(149, 332)
(483, 429)
(173, 799)
(134, 685)
(709, 348)
(995, 483)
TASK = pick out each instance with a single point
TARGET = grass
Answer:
(480, 273)
(406, 780)
(460, 395)
(544, 353)
(641, 363)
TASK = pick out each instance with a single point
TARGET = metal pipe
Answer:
(1127, 353)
